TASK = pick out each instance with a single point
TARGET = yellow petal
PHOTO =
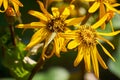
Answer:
(106, 52)
(115, 5)
(101, 21)
(74, 21)
(39, 15)
(73, 44)
(65, 13)
(111, 8)
(69, 35)
(109, 34)
(102, 11)
(5, 4)
(1, 2)
(31, 25)
(101, 61)
(95, 62)
(94, 7)
(55, 12)
(43, 9)
(17, 2)
(16, 7)
(89, 0)
(101, 38)
(87, 60)
(79, 57)
(57, 48)
(39, 36)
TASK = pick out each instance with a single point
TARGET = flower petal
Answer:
(101, 61)
(95, 62)
(73, 44)
(17, 2)
(31, 25)
(109, 34)
(107, 41)
(1, 2)
(94, 7)
(87, 59)
(101, 21)
(79, 57)
(39, 15)
(74, 21)
(5, 4)
(43, 9)
(39, 36)
(106, 52)
(55, 12)
(65, 13)
(57, 48)
(111, 8)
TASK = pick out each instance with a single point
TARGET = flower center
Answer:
(87, 35)
(56, 25)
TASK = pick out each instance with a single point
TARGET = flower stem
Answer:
(38, 66)
(12, 34)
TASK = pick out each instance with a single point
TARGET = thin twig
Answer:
(12, 34)
(38, 66)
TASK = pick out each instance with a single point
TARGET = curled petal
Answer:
(106, 51)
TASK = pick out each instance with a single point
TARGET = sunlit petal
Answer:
(31, 25)
(43, 9)
(73, 44)
(55, 12)
(94, 7)
(65, 13)
(100, 22)
(74, 21)
(39, 15)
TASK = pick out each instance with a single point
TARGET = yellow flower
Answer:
(14, 3)
(104, 6)
(86, 39)
(49, 28)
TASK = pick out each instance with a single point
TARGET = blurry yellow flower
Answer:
(103, 6)
(14, 3)
(86, 39)
(49, 28)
